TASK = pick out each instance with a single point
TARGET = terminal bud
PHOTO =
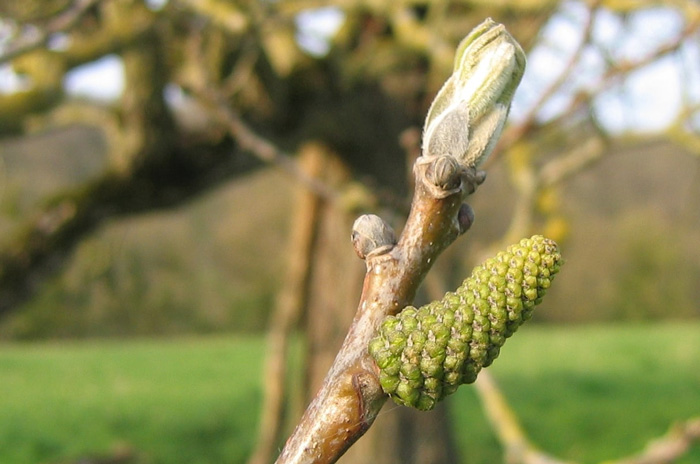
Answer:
(468, 114)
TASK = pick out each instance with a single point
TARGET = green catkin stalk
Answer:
(424, 354)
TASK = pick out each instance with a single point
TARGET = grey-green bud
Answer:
(468, 114)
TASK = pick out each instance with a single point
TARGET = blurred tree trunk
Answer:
(291, 301)
(335, 283)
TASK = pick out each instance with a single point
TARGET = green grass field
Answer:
(593, 393)
(589, 394)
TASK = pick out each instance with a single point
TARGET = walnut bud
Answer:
(468, 114)
(371, 235)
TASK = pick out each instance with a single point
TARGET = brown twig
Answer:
(262, 148)
(211, 96)
(517, 131)
(529, 120)
(63, 22)
(351, 397)
(268, 152)
(622, 69)
(226, 15)
(572, 162)
(214, 97)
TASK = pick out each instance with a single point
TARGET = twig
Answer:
(209, 92)
(622, 69)
(626, 67)
(529, 120)
(670, 447)
(573, 162)
(211, 96)
(224, 14)
(517, 131)
(351, 397)
(63, 22)
(268, 152)
(214, 96)
(262, 148)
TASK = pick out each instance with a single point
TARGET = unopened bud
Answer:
(372, 235)
(468, 114)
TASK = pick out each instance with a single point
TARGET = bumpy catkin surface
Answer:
(424, 354)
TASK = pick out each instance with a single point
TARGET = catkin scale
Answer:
(424, 354)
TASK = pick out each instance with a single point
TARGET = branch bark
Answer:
(351, 396)
(529, 127)
(262, 148)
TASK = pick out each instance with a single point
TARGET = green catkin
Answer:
(424, 354)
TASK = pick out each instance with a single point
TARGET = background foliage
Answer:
(196, 266)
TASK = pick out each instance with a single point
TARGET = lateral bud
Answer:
(465, 218)
(371, 235)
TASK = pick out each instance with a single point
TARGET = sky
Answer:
(648, 100)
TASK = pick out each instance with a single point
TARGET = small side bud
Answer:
(371, 235)
(472, 179)
(465, 218)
